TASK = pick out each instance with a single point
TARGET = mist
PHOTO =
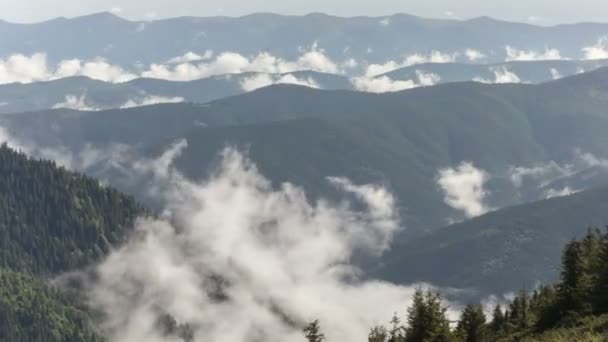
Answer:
(236, 260)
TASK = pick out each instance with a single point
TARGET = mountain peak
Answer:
(101, 16)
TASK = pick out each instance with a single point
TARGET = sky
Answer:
(541, 12)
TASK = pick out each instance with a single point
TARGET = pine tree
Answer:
(472, 324)
(427, 320)
(378, 334)
(313, 332)
(498, 320)
(600, 290)
(396, 333)
(576, 286)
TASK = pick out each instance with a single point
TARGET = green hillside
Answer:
(51, 221)
(500, 251)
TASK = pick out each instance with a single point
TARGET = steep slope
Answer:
(51, 221)
(501, 251)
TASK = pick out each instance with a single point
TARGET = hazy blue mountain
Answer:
(526, 71)
(501, 251)
(87, 94)
(364, 38)
(399, 139)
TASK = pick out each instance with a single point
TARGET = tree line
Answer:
(573, 309)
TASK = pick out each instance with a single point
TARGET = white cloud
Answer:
(552, 193)
(87, 157)
(427, 79)
(463, 188)
(433, 57)
(97, 69)
(190, 66)
(555, 74)
(501, 75)
(264, 80)
(76, 103)
(237, 260)
(314, 59)
(514, 54)
(590, 160)
(23, 69)
(597, 51)
(191, 57)
(350, 63)
(149, 100)
(541, 173)
(474, 55)
(383, 84)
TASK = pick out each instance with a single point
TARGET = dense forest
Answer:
(51, 221)
(574, 309)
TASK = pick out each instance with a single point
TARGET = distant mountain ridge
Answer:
(400, 139)
(83, 93)
(375, 40)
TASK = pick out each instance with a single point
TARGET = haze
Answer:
(540, 12)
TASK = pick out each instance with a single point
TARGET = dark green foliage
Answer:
(561, 310)
(472, 324)
(498, 323)
(378, 334)
(427, 320)
(31, 310)
(52, 220)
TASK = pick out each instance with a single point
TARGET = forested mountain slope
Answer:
(51, 221)
(501, 251)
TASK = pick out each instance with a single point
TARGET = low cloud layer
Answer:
(463, 187)
(191, 66)
(313, 59)
(80, 102)
(502, 75)
(35, 68)
(148, 100)
(264, 80)
(383, 84)
(433, 57)
(76, 103)
(236, 260)
(597, 51)
(544, 176)
(514, 54)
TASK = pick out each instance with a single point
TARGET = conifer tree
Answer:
(472, 324)
(313, 332)
(498, 320)
(378, 334)
(427, 320)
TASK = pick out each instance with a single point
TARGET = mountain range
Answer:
(373, 39)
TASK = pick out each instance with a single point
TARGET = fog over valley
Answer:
(248, 172)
